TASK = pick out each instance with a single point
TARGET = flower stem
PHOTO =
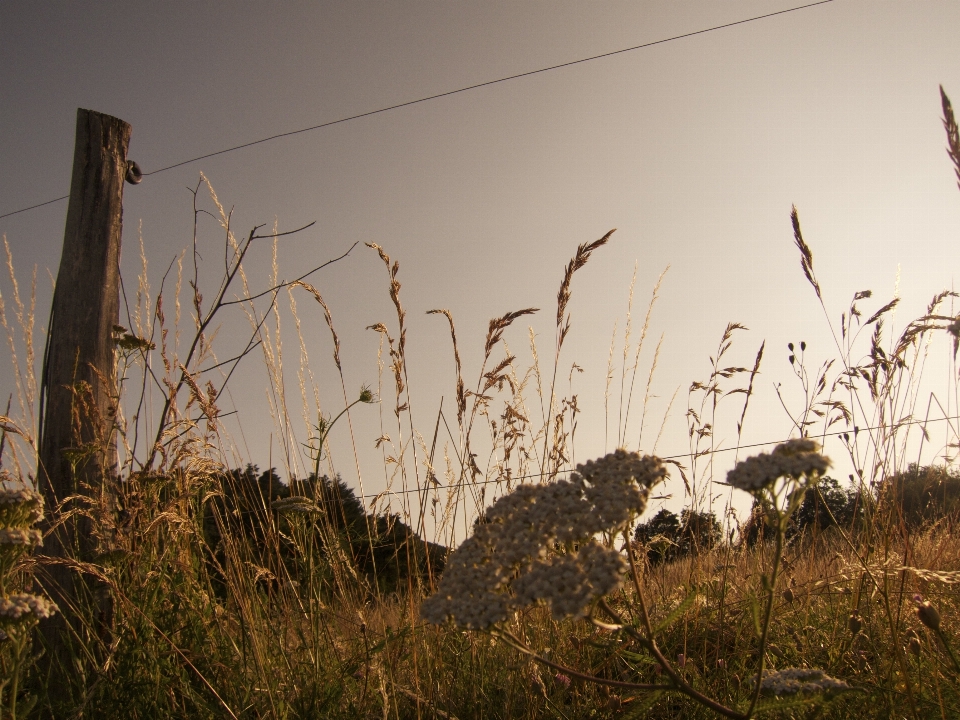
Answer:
(518, 644)
(768, 612)
(678, 683)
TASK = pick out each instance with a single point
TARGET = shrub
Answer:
(924, 495)
(327, 516)
(826, 506)
(668, 536)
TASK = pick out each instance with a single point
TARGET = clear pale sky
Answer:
(694, 150)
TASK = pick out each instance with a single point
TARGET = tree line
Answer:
(918, 498)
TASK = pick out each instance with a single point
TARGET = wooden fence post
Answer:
(77, 444)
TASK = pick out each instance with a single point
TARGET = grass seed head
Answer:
(928, 614)
(913, 643)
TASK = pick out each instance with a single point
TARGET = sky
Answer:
(695, 150)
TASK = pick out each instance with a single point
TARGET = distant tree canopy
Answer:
(825, 506)
(331, 520)
(667, 536)
(388, 553)
(918, 498)
(923, 495)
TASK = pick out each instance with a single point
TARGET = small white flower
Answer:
(568, 583)
(19, 505)
(513, 547)
(18, 496)
(800, 681)
(20, 605)
(794, 458)
(20, 536)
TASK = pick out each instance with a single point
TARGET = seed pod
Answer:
(855, 624)
(861, 661)
(929, 615)
(913, 642)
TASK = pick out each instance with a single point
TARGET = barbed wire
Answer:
(767, 443)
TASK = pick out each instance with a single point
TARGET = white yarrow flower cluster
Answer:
(800, 681)
(511, 549)
(19, 505)
(20, 605)
(20, 536)
(794, 459)
(18, 496)
(567, 583)
(20, 508)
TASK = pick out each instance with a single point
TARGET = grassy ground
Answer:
(195, 606)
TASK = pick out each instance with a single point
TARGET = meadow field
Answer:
(211, 589)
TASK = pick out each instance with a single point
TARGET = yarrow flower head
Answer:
(20, 606)
(20, 536)
(513, 547)
(800, 681)
(19, 505)
(794, 459)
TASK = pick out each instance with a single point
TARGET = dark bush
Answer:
(669, 537)
(922, 495)
(758, 525)
(825, 506)
(381, 548)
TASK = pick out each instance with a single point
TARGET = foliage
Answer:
(20, 510)
(382, 549)
(667, 536)
(923, 495)
(824, 506)
(828, 505)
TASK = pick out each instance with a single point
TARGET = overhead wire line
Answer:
(448, 93)
(34, 207)
(732, 448)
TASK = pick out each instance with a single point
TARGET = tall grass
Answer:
(236, 596)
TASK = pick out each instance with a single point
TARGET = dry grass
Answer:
(267, 612)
